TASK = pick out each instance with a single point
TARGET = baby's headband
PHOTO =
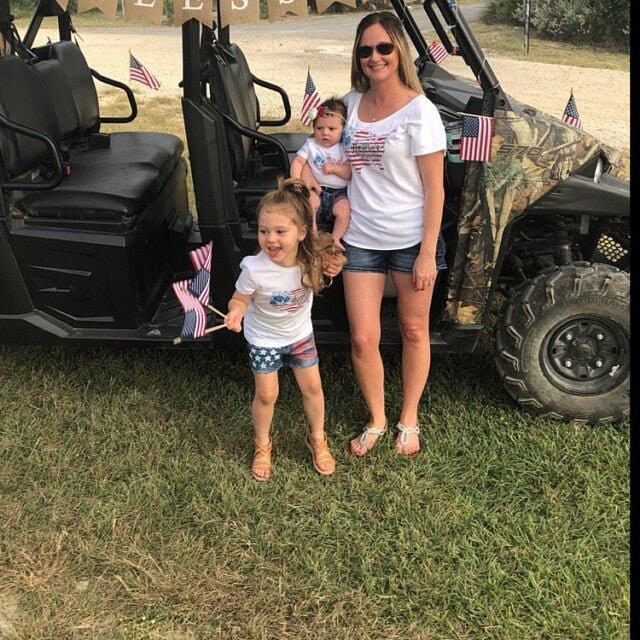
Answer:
(322, 111)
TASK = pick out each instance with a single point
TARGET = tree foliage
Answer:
(595, 22)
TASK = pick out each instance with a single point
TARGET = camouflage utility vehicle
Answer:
(94, 227)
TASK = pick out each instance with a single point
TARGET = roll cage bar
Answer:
(451, 21)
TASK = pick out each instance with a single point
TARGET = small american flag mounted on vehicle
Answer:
(139, 73)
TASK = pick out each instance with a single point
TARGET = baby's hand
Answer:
(233, 321)
(329, 168)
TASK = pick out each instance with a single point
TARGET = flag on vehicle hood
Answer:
(475, 140)
(310, 101)
(201, 260)
(195, 316)
(437, 51)
(139, 73)
(571, 115)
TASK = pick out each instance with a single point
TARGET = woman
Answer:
(395, 142)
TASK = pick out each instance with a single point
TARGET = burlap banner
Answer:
(184, 10)
(279, 8)
(231, 11)
(108, 7)
(323, 5)
(63, 4)
(239, 12)
(143, 10)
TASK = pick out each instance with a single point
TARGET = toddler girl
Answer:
(274, 294)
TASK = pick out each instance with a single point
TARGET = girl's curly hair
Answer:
(313, 250)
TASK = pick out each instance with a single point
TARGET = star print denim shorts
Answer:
(381, 261)
(299, 355)
(328, 198)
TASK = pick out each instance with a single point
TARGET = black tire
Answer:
(562, 344)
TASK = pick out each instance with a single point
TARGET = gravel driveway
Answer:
(282, 51)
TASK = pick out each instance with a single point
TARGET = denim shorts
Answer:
(298, 355)
(328, 198)
(381, 261)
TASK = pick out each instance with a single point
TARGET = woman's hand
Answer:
(424, 272)
(314, 186)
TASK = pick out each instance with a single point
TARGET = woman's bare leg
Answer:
(363, 297)
(413, 317)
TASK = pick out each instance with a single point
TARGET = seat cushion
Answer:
(160, 151)
(107, 186)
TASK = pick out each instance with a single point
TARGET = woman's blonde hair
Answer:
(392, 25)
(293, 194)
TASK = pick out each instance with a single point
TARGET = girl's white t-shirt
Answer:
(279, 313)
(317, 155)
(385, 192)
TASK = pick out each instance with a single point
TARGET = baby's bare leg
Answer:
(342, 213)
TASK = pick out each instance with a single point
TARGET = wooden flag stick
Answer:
(209, 330)
(222, 315)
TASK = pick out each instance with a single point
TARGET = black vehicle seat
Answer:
(292, 141)
(255, 162)
(113, 184)
(71, 81)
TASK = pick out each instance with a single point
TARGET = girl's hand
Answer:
(332, 265)
(233, 321)
(424, 272)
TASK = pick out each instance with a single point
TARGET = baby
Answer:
(322, 163)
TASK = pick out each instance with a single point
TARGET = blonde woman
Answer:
(395, 143)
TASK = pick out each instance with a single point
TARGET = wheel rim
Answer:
(586, 355)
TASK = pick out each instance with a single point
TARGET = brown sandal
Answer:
(320, 454)
(261, 461)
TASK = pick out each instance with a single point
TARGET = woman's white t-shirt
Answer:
(279, 313)
(385, 192)
(317, 155)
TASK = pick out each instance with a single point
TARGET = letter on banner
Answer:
(323, 5)
(184, 10)
(279, 8)
(147, 10)
(239, 11)
(108, 7)
(63, 4)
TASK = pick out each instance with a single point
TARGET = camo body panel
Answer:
(531, 155)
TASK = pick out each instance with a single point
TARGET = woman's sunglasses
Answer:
(383, 48)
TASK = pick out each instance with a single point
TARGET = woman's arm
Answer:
(296, 166)
(237, 309)
(431, 168)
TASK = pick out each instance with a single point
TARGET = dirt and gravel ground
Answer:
(281, 52)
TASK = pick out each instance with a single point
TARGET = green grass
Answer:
(508, 42)
(128, 510)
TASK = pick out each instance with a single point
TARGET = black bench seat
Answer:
(116, 183)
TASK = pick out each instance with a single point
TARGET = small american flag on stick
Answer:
(195, 317)
(139, 73)
(571, 115)
(201, 260)
(437, 51)
(475, 141)
(310, 101)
